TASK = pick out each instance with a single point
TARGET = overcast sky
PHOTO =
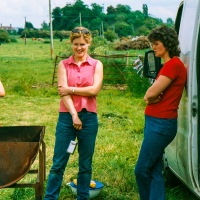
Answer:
(14, 12)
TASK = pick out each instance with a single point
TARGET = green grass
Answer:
(26, 71)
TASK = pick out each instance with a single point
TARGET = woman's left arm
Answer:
(92, 90)
(2, 91)
(154, 93)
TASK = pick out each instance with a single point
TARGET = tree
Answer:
(69, 16)
(123, 9)
(123, 29)
(97, 10)
(80, 6)
(170, 22)
(20, 30)
(45, 26)
(143, 30)
(122, 18)
(96, 24)
(136, 19)
(57, 17)
(145, 10)
(151, 22)
(110, 35)
(111, 10)
(29, 25)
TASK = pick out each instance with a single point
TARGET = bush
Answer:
(13, 39)
(61, 34)
(137, 84)
(110, 35)
(4, 36)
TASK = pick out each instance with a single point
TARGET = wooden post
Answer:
(127, 60)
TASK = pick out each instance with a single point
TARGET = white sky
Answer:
(14, 12)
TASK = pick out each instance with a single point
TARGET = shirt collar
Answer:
(70, 60)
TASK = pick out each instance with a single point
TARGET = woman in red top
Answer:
(162, 100)
(79, 81)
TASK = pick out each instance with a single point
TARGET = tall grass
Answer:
(26, 71)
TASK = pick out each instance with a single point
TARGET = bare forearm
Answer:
(67, 100)
(70, 106)
(2, 91)
(151, 100)
(81, 91)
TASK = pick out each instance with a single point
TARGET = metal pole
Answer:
(80, 19)
(25, 31)
(51, 29)
(102, 30)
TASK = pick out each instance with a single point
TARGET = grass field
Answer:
(26, 71)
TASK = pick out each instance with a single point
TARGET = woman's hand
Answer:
(64, 90)
(155, 92)
(77, 124)
(153, 100)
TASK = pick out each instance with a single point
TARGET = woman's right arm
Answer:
(67, 100)
(155, 92)
(2, 91)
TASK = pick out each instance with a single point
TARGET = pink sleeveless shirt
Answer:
(82, 76)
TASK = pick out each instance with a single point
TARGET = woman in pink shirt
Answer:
(79, 82)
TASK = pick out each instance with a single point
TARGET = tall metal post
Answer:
(25, 31)
(51, 29)
(102, 29)
(80, 19)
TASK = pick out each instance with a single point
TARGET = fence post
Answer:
(106, 55)
(127, 59)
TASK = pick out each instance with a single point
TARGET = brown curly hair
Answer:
(168, 37)
(87, 36)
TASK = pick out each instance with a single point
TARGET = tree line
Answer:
(121, 20)
(115, 22)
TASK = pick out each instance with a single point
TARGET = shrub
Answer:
(4, 36)
(13, 39)
(110, 35)
(137, 84)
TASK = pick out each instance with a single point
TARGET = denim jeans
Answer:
(65, 132)
(158, 133)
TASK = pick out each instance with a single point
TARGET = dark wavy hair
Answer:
(168, 37)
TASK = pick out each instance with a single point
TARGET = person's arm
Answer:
(154, 93)
(2, 91)
(92, 90)
(67, 100)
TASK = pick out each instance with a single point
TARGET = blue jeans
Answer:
(158, 133)
(65, 132)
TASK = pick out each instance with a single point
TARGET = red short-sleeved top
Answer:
(168, 106)
(80, 76)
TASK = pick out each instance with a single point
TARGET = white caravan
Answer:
(182, 156)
